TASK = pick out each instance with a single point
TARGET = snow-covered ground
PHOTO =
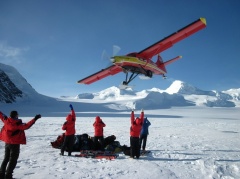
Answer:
(186, 142)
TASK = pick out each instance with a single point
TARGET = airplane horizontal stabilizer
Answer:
(172, 60)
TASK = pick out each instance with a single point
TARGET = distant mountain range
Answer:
(15, 90)
(178, 94)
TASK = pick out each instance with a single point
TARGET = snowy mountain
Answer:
(9, 92)
(178, 94)
(234, 93)
(156, 100)
(187, 89)
(16, 90)
(201, 97)
(112, 93)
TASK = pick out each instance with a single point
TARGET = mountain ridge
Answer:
(179, 93)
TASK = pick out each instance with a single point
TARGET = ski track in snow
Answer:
(191, 143)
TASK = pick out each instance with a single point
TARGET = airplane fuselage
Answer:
(135, 64)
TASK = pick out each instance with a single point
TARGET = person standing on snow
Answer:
(12, 133)
(135, 129)
(69, 127)
(144, 133)
(98, 132)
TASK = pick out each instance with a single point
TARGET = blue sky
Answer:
(55, 43)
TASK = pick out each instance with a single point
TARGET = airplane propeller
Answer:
(115, 51)
(105, 56)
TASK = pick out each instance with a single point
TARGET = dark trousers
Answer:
(68, 143)
(134, 147)
(98, 140)
(143, 138)
(10, 160)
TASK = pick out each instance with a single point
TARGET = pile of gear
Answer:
(85, 142)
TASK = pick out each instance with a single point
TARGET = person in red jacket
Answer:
(98, 132)
(12, 133)
(69, 127)
(135, 129)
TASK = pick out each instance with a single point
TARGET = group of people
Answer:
(12, 133)
(138, 133)
(69, 127)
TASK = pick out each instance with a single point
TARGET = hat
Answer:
(69, 117)
(13, 114)
(138, 121)
(97, 119)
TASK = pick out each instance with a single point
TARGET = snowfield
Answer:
(186, 142)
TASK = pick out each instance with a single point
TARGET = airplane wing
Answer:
(169, 41)
(112, 70)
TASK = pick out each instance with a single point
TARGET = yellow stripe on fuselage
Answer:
(118, 60)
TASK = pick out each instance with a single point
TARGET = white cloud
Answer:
(10, 54)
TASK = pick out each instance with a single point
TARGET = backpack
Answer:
(58, 143)
(126, 150)
(85, 142)
(114, 147)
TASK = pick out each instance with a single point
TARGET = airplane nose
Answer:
(112, 59)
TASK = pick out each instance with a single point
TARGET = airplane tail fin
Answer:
(162, 64)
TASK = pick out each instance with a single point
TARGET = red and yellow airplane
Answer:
(140, 62)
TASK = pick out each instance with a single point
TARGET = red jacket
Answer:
(13, 130)
(69, 125)
(98, 127)
(136, 125)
